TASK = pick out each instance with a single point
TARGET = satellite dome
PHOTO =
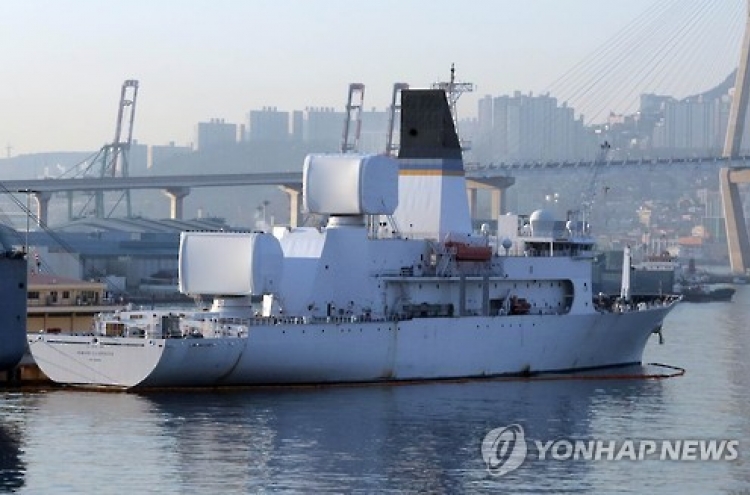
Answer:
(542, 215)
(542, 223)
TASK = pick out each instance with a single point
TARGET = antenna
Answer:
(453, 91)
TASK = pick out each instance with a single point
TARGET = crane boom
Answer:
(116, 155)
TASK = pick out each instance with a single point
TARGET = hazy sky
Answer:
(64, 61)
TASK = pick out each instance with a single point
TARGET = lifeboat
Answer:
(468, 252)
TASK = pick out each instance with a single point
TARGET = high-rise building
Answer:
(323, 126)
(298, 125)
(688, 126)
(692, 126)
(374, 128)
(529, 128)
(137, 158)
(215, 133)
(484, 115)
(158, 154)
(268, 124)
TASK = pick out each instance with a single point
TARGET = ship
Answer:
(13, 268)
(701, 286)
(396, 286)
(698, 292)
(651, 274)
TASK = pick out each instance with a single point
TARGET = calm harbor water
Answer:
(396, 439)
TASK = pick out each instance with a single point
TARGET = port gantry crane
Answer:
(353, 119)
(394, 111)
(115, 155)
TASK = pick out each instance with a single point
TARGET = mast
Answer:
(453, 91)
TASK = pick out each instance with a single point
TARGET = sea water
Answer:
(416, 438)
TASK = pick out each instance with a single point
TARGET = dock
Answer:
(25, 374)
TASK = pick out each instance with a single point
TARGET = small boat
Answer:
(428, 299)
(706, 292)
(466, 252)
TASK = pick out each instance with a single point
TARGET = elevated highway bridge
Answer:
(177, 187)
(709, 164)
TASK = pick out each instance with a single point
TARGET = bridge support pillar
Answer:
(497, 202)
(69, 198)
(42, 207)
(99, 204)
(294, 193)
(738, 242)
(176, 197)
(496, 186)
(471, 192)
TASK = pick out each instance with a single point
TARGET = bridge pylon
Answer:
(738, 241)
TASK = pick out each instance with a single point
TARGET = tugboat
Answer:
(397, 286)
(706, 292)
(695, 286)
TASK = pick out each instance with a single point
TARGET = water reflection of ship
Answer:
(376, 438)
(12, 468)
(412, 438)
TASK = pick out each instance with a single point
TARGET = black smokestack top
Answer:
(427, 129)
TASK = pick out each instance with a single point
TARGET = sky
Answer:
(64, 61)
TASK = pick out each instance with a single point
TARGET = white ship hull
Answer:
(419, 349)
(363, 301)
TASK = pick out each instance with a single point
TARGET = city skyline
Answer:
(67, 60)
